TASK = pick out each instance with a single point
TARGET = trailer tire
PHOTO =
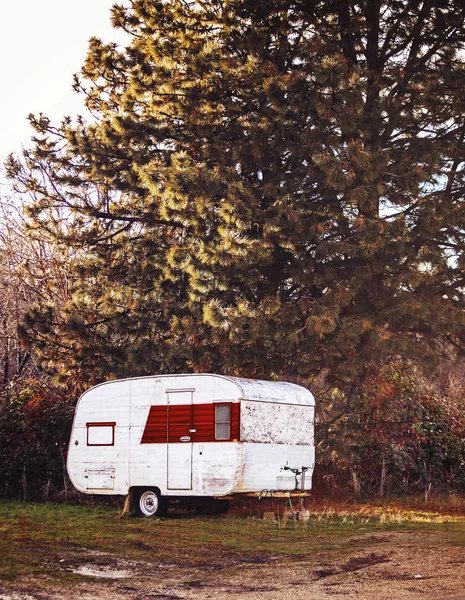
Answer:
(150, 503)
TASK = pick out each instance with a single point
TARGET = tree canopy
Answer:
(269, 187)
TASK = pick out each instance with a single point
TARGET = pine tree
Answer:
(269, 187)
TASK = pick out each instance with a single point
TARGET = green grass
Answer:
(37, 539)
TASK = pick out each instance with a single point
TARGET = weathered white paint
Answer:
(110, 403)
(276, 423)
(217, 467)
(263, 463)
(276, 431)
(276, 391)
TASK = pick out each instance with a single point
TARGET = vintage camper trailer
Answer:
(193, 436)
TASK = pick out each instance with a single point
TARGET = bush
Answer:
(403, 435)
(35, 424)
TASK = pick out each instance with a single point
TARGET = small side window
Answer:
(100, 434)
(222, 422)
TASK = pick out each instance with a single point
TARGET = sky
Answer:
(42, 44)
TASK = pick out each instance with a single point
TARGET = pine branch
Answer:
(145, 218)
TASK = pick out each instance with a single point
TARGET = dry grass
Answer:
(43, 546)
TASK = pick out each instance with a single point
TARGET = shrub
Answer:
(403, 435)
(35, 424)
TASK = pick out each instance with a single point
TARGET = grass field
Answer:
(47, 543)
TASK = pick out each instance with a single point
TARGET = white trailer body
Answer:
(193, 435)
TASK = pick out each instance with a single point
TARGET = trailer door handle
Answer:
(185, 438)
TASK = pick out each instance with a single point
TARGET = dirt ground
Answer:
(389, 565)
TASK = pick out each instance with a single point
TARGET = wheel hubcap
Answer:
(148, 503)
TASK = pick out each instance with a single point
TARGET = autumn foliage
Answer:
(407, 435)
(35, 423)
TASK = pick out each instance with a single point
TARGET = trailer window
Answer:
(100, 434)
(222, 421)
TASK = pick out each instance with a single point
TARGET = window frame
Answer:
(228, 422)
(97, 424)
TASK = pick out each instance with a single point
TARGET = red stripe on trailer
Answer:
(168, 423)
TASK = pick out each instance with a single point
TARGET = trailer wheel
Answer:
(151, 504)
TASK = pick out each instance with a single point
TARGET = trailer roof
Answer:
(274, 391)
(249, 389)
